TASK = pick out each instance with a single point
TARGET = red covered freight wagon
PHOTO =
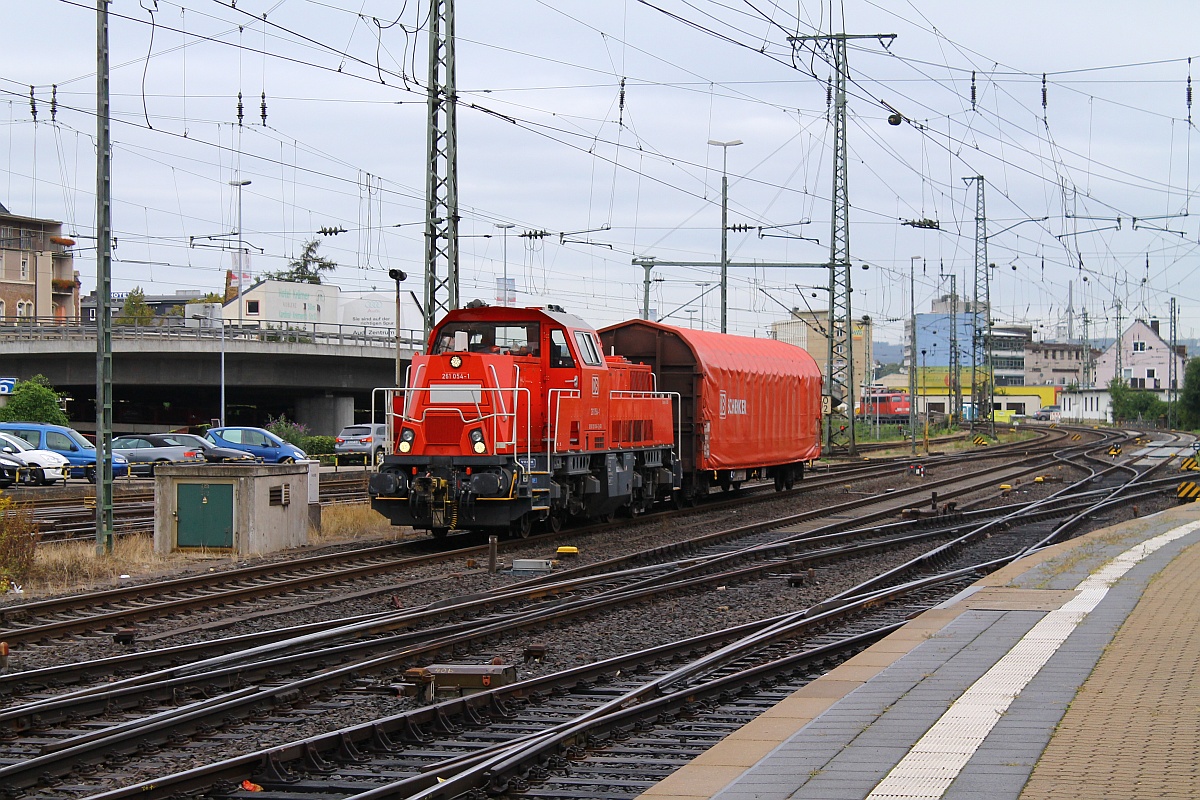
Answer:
(749, 408)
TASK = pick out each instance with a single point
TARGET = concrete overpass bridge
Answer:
(170, 376)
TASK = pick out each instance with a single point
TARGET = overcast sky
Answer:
(549, 141)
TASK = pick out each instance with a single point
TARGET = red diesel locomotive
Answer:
(523, 416)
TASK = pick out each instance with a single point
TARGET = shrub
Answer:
(18, 543)
(317, 445)
(34, 400)
(291, 432)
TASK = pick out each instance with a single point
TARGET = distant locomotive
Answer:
(884, 406)
(516, 416)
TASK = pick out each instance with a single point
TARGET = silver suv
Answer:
(368, 441)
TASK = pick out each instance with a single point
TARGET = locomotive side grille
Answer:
(443, 429)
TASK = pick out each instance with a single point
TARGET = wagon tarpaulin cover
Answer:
(749, 402)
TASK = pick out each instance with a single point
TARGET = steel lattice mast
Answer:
(839, 431)
(981, 329)
(441, 180)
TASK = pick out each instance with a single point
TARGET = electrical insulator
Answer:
(240, 108)
(32, 104)
(972, 89)
(1043, 91)
(54, 102)
(264, 108)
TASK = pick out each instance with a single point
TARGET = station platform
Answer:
(1071, 673)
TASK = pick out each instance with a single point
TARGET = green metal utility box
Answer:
(205, 515)
(240, 509)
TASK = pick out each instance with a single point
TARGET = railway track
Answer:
(115, 609)
(630, 717)
(226, 704)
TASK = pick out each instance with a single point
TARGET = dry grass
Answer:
(72, 566)
(76, 566)
(348, 522)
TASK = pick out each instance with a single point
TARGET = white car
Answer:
(42, 467)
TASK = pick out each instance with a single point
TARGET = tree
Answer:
(1189, 397)
(1134, 404)
(34, 400)
(135, 311)
(308, 268)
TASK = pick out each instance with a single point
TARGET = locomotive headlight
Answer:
(404, 447)
(477, 443)
(480, 448)
(406, 440)
(455, 361)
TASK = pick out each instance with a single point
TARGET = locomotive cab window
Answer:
(560, 354)
(516, 338)
(588, 351)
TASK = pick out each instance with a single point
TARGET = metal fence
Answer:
(159, 328)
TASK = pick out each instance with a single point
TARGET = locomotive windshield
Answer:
(515, 338)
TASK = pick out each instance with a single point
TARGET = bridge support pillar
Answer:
(325, 416)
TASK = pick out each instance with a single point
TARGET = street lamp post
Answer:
(209, 321)
(724, 227)
(241, 249)
(398, 275)
(504, 287)
(703, 290)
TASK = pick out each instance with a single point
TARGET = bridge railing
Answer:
(46, 329)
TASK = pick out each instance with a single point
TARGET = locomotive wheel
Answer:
(522, 526)
(440, 533)
(554, 522)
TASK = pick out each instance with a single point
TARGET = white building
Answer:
(282, 304)
(1145, 359)
(1085, 406)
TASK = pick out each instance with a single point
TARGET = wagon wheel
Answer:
(440, 533)
(554, 522)
(521, 526)
(779, 481)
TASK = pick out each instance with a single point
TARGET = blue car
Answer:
(258, 442)
(68, 442)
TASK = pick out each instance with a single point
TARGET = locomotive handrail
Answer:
(482, 418)
(554, 398)
(676, 407)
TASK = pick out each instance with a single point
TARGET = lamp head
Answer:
(397, 274)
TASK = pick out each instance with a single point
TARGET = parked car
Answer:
(212, 453)
(67, 442)
(144, 451)
(10, 469)
(368, 441)
(259, 442)
(1045, 411)
(38, 467)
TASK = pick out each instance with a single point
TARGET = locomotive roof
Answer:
(512, 313)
